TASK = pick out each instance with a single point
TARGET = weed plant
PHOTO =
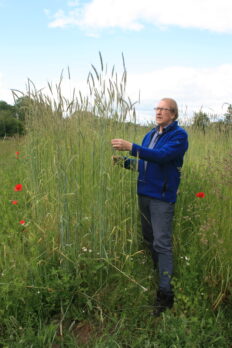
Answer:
(74, 270)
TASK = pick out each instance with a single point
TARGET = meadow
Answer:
(74, 271)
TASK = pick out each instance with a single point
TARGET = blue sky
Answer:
(179, 49)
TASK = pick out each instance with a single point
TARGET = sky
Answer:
(180, 49)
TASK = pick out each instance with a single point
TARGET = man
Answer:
(160, 158)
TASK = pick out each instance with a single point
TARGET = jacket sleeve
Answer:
(174, 147)
(131, 163)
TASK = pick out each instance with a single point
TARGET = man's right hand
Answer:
(118, 160)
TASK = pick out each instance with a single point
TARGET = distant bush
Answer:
(201, 120)
(9, 122)
(9, 125)
(228, 115)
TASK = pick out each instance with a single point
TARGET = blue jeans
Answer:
(156, 220)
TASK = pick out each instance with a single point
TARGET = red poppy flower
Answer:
(18, 187)
(200, 194)
(17, 153)
(14, 202)
(22, 222)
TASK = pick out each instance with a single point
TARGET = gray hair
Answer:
(173, 106)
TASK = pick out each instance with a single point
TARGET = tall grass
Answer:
(76, 193)
(79, 261)
(204, 224)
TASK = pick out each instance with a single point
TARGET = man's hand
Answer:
(118, 160)
(121, 145)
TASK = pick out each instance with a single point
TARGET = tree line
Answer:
(12, 117)
(201, 120)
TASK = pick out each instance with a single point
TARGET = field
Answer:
(74, 270)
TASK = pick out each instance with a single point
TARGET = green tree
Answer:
(22, 106)
(29, 107)
(228, 115)
(201, 120)
(9, 125)
(7, 107)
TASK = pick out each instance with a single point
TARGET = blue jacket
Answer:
(160, 177)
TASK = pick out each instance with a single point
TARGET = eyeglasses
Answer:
(162, 109)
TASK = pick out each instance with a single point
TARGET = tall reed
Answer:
(77, 196)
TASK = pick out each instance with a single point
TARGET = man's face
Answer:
(164, 113)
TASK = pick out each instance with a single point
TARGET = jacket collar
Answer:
(171, 126)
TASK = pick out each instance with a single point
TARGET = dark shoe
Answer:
(163, 302)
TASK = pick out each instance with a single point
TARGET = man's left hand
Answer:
(121, 145)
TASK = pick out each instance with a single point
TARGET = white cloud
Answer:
(193, 88)
(211, 15)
